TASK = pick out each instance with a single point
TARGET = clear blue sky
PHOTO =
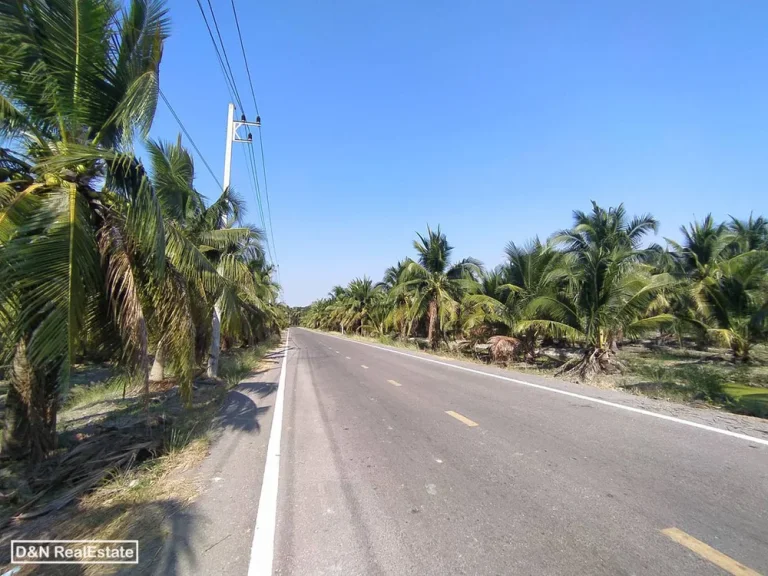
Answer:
(493, 119)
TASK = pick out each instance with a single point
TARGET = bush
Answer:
(702, 382)
(749, 407)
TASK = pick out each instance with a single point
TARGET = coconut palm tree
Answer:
(399, 301)
(530, 271)
(220, 262)
(606, 295)
(82, 230)
(705, 244)
(607, 288)
(437, 285)
(751, 234)
(735, 302)
(360, 298)
(606, 230)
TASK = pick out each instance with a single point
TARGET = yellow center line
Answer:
(708, 553)
(461, 418)
(394, 383)
(364, 366)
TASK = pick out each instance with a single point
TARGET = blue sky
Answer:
(493, 119)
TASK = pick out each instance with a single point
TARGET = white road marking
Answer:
(363, 366)
(263, 546)
(348, 358)
(566, 393)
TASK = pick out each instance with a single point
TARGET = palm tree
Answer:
(360, 298)
(399, 301)
(531, 271)
(82, 230)
(751, 234)
(437, 284)
(606, 296)
(199, 247)
(735, 303)
(608, 289)
(705, 245)
(606, 230)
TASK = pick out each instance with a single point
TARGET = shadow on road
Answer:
(239, 412)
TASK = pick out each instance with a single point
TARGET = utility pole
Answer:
(232, 136)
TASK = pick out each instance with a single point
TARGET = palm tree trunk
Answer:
(432, 332)
(215, 351)
(157, 374)
(31, 408)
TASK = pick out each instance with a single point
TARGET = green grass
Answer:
(236, 364)
(686, 376)
(112, 389)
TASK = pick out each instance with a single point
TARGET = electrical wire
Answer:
(254, 172)
(261, 140)
(245, 59)
(226, 69)
(226, 58)
(186, 133)
(230, 81)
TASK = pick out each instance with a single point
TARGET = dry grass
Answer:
(149, 501)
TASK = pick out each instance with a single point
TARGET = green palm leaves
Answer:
(593, 284)
(96, 250)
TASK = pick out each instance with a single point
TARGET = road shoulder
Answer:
(218, 526)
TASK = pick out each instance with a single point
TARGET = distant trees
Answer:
(594, 285)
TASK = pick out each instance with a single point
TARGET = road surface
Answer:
(392, 464)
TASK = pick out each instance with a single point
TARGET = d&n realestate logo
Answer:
(74, 552)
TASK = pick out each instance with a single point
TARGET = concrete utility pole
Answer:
(232, 136)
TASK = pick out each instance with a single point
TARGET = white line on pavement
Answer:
(566, 393)
(263, 546)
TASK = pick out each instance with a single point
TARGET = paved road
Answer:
(214, 534)
(376, 477)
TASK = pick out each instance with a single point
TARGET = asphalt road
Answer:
(377, 477)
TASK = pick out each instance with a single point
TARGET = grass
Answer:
(687, 376)
(115, 387)
(148, 500)
(238, 363)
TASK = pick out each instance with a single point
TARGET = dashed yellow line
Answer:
(363, 366)
(394, 383)
(460, 418)
(708, 553)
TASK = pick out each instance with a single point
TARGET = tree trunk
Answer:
(30, 410)
(432, 332)
(215, 351)
(157, 374)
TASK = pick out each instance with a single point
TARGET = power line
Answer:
(226, 59)
(184, 130)
(230, 81)
(261, 141)
(245, 59)
(248, 166)
(254, 172)
(266, 194)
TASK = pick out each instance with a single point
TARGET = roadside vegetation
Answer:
(122, 283)
(595, 302)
